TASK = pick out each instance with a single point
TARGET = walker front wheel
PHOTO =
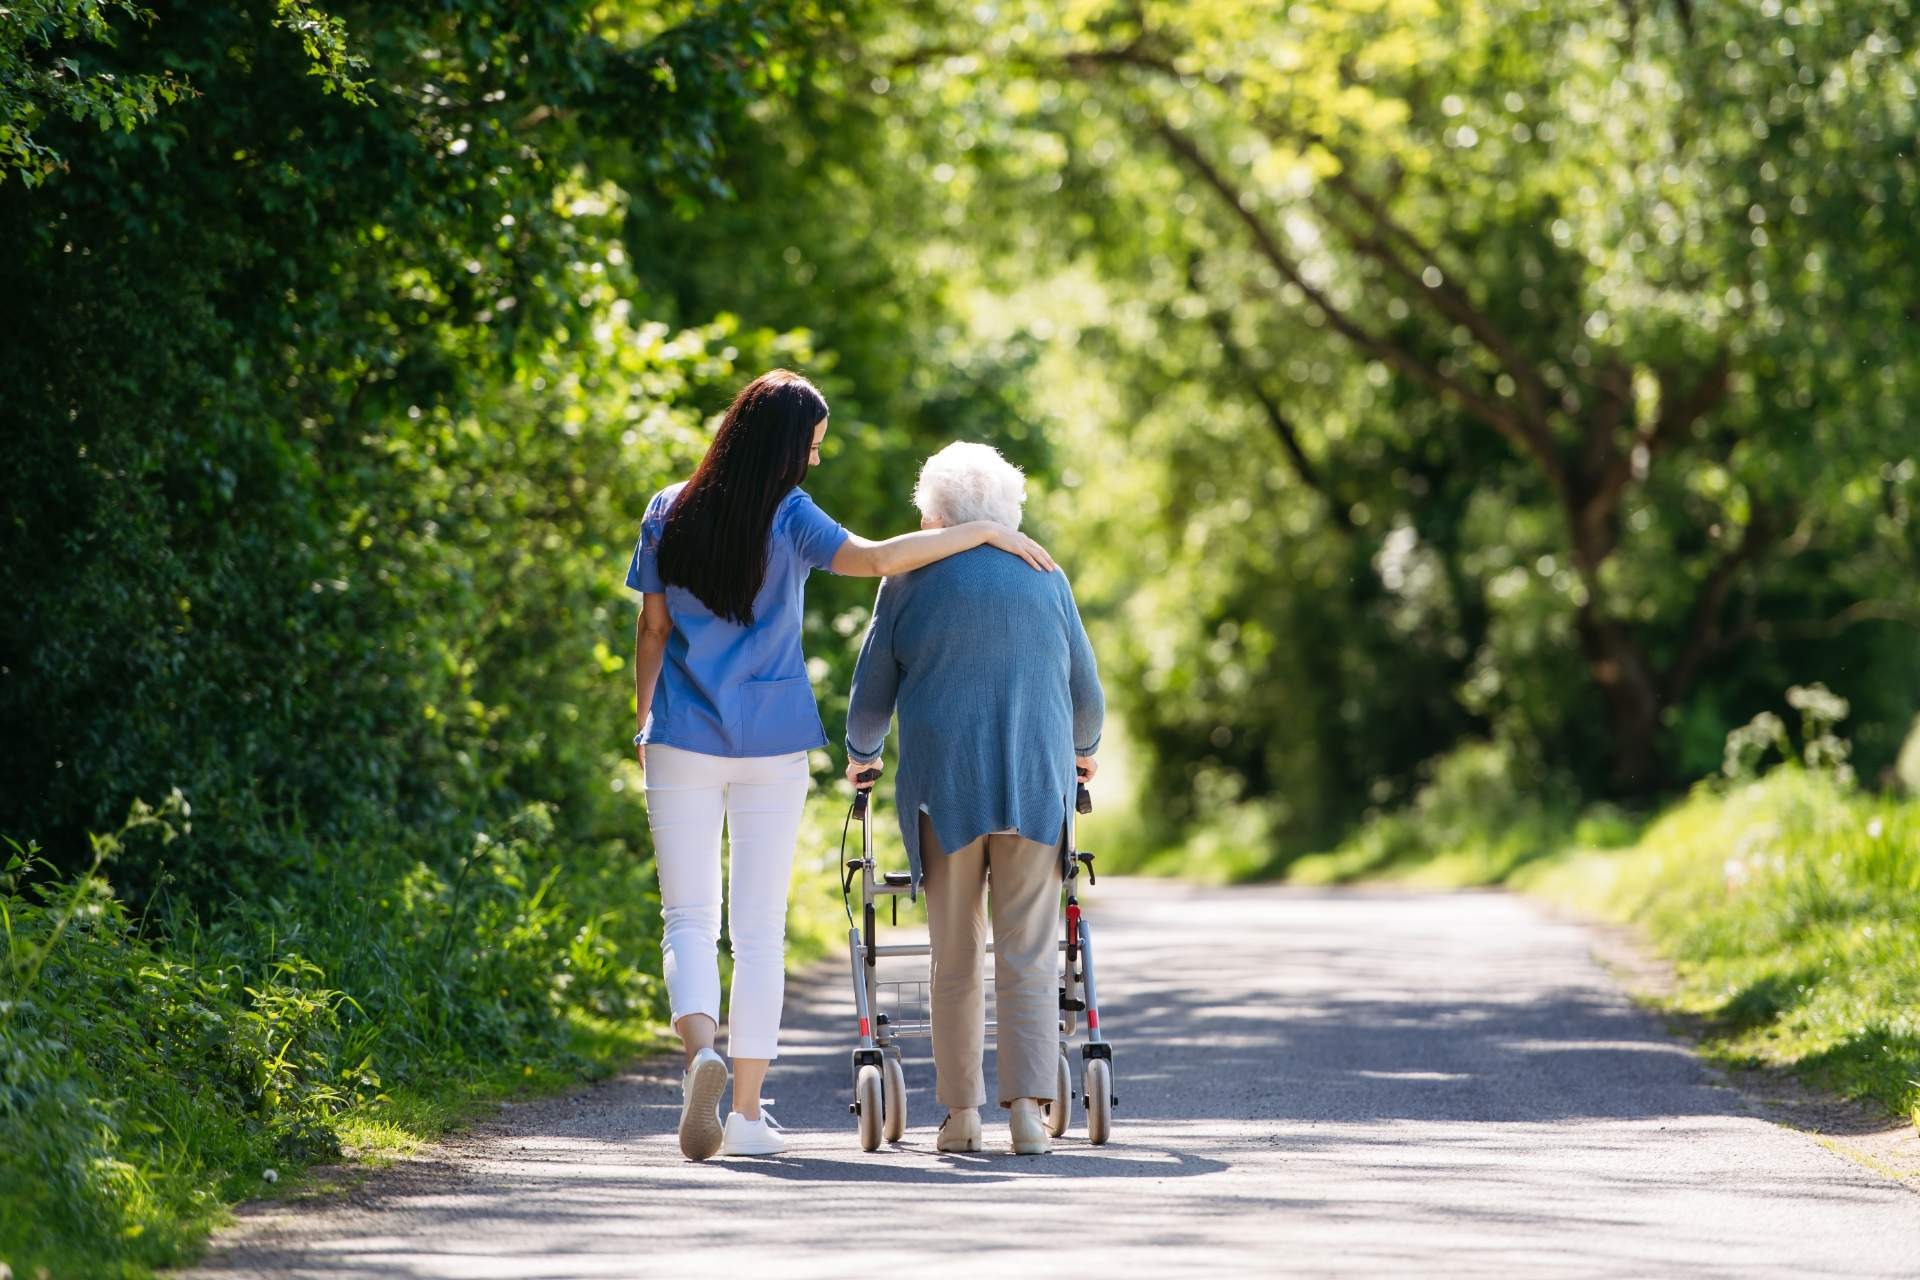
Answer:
(1060, 1110)
(1099, 1082)
(869, 1106)
(894, 1082)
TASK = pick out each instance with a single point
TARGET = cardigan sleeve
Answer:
(1083, 678)
(876, 680)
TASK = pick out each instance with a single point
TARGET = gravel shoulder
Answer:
(1320, 1082)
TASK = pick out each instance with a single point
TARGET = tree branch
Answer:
(1277, 419)
(1604, 468)
(1496, 415)
(1680, 410)
(1703, 635)
(1447, 297)
(1611, 468)
(1134, 53)
(1852, 616)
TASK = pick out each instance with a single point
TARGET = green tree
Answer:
(246, 344)
(1602, 313)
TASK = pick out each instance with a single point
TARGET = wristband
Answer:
(640, 739)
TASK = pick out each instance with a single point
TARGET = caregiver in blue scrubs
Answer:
(728, 717)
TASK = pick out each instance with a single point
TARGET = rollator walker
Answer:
(891, 1012)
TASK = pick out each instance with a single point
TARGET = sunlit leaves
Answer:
(1626, 195)
(53, 63)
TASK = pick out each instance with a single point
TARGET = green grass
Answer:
(1789, 908)
(400, 1123)
(155, 1069)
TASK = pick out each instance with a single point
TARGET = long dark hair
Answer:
(715, 540)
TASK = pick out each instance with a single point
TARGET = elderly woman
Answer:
(990, 669)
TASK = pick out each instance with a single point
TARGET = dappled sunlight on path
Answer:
(1312, 1082)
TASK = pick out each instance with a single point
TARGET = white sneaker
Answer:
(706, 1080)
(753, 1137)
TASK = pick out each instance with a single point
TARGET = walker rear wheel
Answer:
(1099, 1084)
(1060, 1110)
(868, 1104)
(894, 1078)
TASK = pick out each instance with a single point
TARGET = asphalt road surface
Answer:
(1311, 1083)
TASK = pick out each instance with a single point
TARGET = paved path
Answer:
(1312, 1083)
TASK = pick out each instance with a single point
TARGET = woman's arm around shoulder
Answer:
(859, 558)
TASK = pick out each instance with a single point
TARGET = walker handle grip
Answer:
(863, 788)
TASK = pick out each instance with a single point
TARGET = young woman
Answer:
(728, 718)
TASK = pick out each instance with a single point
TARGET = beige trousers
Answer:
(1025, 905)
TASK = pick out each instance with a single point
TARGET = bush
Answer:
(151, 1074)
(1481, 815)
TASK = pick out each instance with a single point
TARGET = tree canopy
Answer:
(1542, 371)
(1396, 372)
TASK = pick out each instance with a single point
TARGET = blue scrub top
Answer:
(729, 690)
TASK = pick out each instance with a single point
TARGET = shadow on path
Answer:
(1337, 1082)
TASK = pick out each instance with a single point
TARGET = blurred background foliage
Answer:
(1452, 415)
(1541, 374)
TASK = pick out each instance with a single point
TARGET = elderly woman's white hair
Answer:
(966, 482)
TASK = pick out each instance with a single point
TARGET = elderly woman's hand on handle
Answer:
(856, 773)
(1084, 767)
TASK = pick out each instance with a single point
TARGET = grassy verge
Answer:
(1789, 907)
(157, 1068)
(1791, 912)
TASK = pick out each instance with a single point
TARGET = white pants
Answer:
(759, 798)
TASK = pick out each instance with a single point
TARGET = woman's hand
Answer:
(855, 769)
(640, 754)
(1019, 544)
(1087, 767)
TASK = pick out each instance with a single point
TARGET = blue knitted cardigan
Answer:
(990, 669)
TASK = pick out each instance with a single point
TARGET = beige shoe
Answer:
(960, 1131)
(1028, 1127)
